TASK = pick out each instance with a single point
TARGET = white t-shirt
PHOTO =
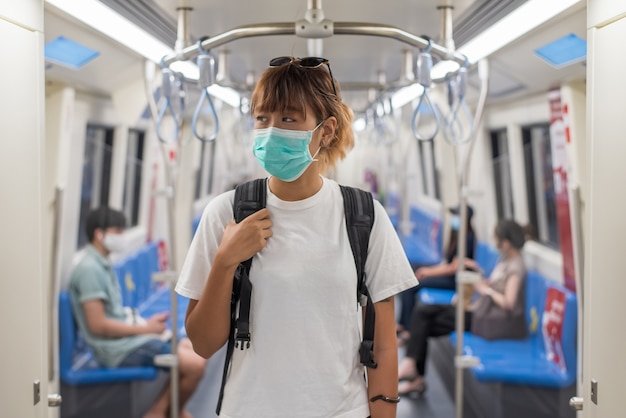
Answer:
(304, 323)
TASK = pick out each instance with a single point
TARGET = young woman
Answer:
(303, 360)
(440, 276)
(499, 309)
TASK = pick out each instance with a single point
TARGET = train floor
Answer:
(435, 403)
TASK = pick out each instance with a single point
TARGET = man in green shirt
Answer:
(97, 305)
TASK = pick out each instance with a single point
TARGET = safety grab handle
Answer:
(453, 128)
(424, 67)
(168, 79)
(206, 65)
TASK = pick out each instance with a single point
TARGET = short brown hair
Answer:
(291, 86)
(509, 230)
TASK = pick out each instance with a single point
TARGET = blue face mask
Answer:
(455, 222)
(283, 153)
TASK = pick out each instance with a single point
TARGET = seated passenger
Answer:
(97, 305)
(498, 312)
(440, 276)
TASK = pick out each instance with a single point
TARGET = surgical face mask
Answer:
(114, 243)
(455, 222)
(283, 153)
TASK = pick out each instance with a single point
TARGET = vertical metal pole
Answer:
(578, 246)
(461, 248)
(183, 37)
(54, 281)
(446, 25)
(222, 67)
(314, 4)
(407, 58)
(460, 298)
(174, 372)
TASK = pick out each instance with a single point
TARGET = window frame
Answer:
(133, 173)
(102, 166)
(542, 211)
(502, 176)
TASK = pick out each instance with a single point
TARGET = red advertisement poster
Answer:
(163, 258)
(558, 141)
(552, 329)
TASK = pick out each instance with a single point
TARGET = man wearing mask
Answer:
(97, 305)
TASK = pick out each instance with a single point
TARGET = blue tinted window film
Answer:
(68, 53)
(566, 50)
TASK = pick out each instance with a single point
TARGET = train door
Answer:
(24, 363)
(605, 288)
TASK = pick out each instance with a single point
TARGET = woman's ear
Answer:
(328, 130)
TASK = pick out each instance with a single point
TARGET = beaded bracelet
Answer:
(384, 399)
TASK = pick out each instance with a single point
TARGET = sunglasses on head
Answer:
(306, 62)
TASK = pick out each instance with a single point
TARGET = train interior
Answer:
(483, 103)
(109, 95)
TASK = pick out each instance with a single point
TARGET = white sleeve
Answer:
(195, 270)
(387, 269)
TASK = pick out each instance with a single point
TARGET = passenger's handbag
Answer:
(491, 322)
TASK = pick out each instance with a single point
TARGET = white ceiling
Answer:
(115, 67)
(352, 58)
(515, 71)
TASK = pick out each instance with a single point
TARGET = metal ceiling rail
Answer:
(241, 32)
(329, 29)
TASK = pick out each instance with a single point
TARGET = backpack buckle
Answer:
(366, 353)
(242, 338)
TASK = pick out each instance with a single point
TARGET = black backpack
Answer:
(358, 205)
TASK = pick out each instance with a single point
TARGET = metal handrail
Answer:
(339, 28)
(324, 29)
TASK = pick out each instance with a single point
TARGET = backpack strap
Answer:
(250, 197)
(359, 212)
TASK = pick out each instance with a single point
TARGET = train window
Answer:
(502, 173)
(430, 179)
(540, 184)
(204, 179)
(132, 176)
(96, 179)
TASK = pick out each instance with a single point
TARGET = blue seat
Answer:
(78, 365)
(153, 256)
(486, 256)
(145, 266)
(160, 301)
(124, 278)
(423, 245)
(531, 361)
(137, 274)
(76, 361)
(436, 296)
(194, 224)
